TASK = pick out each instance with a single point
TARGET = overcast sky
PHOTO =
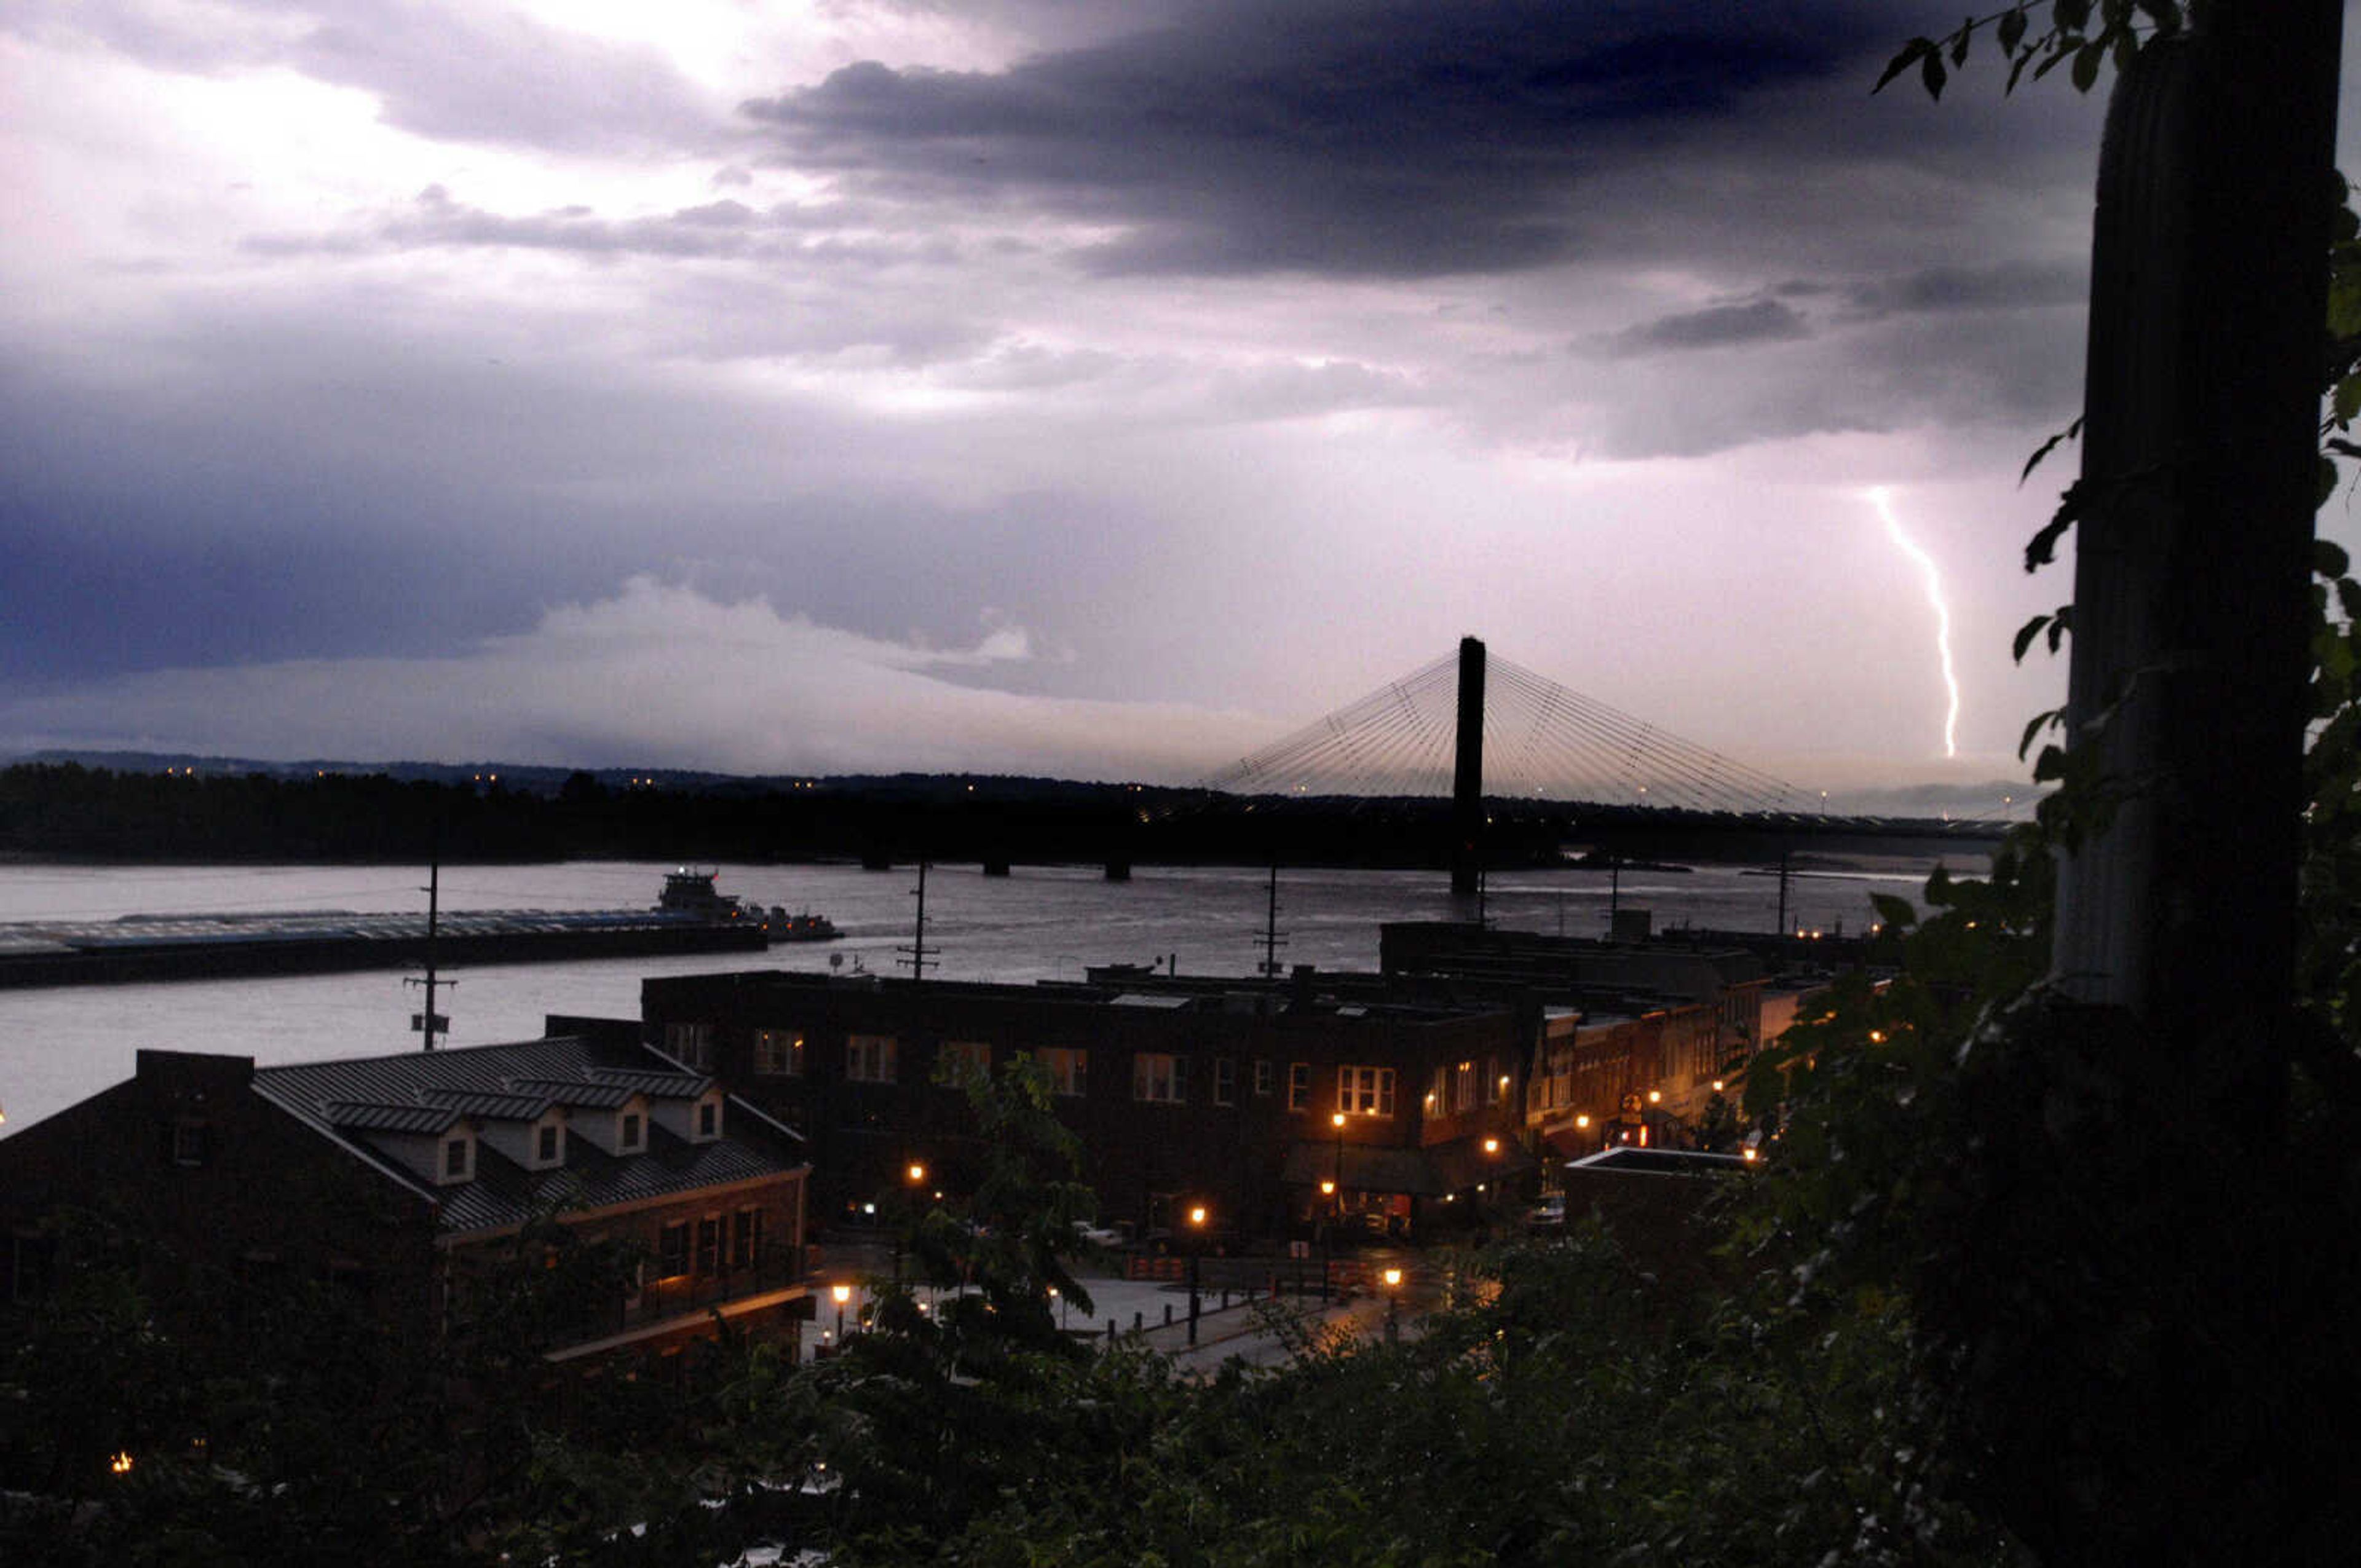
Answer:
(1100, 387)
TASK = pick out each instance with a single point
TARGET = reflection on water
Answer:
(57, 1046)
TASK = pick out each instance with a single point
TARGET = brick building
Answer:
(1181, 1090)
(1660, 1022)
(398, 1176)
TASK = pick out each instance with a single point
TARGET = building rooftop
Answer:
(359, 1101)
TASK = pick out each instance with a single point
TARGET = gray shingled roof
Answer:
(660, 1082)
(579, 1095)
(355, 1101)
(390, 1118)
(491, 1106)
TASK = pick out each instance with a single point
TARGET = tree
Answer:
(2117, 1186)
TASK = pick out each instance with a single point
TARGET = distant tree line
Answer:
(76, 811)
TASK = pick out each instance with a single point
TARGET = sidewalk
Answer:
(1226, 1324)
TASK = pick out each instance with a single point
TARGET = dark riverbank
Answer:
(71, 812)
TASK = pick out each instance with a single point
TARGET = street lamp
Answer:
(1336, 1189)
(1393, 1289)
(913, 1174)
(1196, 1248)
(843, 1293)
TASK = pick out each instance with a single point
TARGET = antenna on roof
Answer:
(430, 1022)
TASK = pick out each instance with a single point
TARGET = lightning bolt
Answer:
(1878, 498)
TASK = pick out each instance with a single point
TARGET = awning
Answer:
(1363, 1168)
(1462, 1164)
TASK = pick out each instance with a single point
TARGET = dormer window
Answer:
(548, 1142)
(631, 1133)
(458, 1158)
(708, 1119)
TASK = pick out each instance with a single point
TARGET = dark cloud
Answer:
(1716, 326)
(1397, 139)
(1946, 370)
(2012, 285)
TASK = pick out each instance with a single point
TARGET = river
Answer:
(60, 1045)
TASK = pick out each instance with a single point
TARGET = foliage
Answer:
(2083, 36)
(295, 1420)
(2124, 1282)
(1565, 1411)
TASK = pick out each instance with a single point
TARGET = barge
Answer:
(138, 948)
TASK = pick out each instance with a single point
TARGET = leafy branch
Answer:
(2082, 35)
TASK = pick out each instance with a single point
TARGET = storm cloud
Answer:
(1393, 139)
(1097, 387)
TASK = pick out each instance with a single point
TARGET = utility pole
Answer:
(1271, 941)
(917, 960)
(2188, 691)
(430, 1022)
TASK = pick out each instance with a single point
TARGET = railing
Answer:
(776, 1265)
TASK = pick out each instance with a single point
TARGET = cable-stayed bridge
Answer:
(1470, 726)
(1541, 742)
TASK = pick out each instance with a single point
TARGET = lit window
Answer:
(1299, 1086)
(1226, 1081)
(1463, 1087)
(1365, 1091)
(869, 1059)
(1160, 1077)
(1070, 1071)
(778, 1053)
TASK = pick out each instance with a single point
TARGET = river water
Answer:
(60, 1045)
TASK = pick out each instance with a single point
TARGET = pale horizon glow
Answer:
(1879, 498)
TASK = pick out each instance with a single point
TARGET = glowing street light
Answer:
(1197, 1217)
(1393, 1299)
(844, 1294)
(913, 1176)
(1332, 1189)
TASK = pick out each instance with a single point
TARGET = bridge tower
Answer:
(1467, 773)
